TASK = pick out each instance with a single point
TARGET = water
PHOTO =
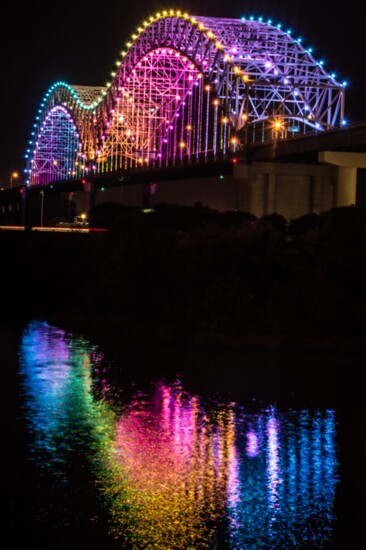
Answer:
(108, 450)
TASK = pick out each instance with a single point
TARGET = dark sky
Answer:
(78, 42)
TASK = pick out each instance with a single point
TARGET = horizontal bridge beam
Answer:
(344, 159)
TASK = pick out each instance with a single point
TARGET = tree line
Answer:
(198, 275)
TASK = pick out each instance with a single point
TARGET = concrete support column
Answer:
(241, 174)
(271, 193)
(347, 173)
(90, 192)
(346, 188)
(315, 199)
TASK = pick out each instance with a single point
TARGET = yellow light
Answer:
(189, 127)
(182, 144)
(216, 102)
(225, 120)
(244, 116)
(207, 88)
(15, 175)
(234, 140)
(210, 34)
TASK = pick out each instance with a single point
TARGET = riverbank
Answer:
(123, 332)
(194, 277)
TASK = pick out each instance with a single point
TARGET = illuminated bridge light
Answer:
(159, 94)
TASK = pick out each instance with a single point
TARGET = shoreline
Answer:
(133, 333)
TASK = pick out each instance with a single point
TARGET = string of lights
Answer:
(185, 88)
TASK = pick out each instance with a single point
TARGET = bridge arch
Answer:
(192, 87)
(264, 83)
(65, 113)
(56, 149)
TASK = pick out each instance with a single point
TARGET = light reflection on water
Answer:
(172, 469)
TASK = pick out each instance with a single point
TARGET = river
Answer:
(107, 448)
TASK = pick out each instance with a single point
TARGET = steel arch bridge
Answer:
(186, 89)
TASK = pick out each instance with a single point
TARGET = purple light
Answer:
(161, 82)
(252, 446)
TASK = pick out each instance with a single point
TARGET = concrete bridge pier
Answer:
(89, 196)
(347, 164)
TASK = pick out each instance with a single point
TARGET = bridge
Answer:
(192, 97)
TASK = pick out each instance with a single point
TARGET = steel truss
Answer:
(187, 87)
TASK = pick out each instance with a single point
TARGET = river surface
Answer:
(107, 447)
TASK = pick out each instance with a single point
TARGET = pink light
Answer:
(252, 446)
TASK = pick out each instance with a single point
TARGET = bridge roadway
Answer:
(304, 148)
(293, 177)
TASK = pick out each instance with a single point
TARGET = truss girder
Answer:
(56, 150)
(258, 72)
(190, 87)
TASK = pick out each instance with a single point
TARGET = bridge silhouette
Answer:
(191, 96)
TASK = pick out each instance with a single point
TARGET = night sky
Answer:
(77, 43)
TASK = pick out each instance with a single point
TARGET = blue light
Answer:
(343, 122)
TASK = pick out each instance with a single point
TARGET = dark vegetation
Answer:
(191, 274)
